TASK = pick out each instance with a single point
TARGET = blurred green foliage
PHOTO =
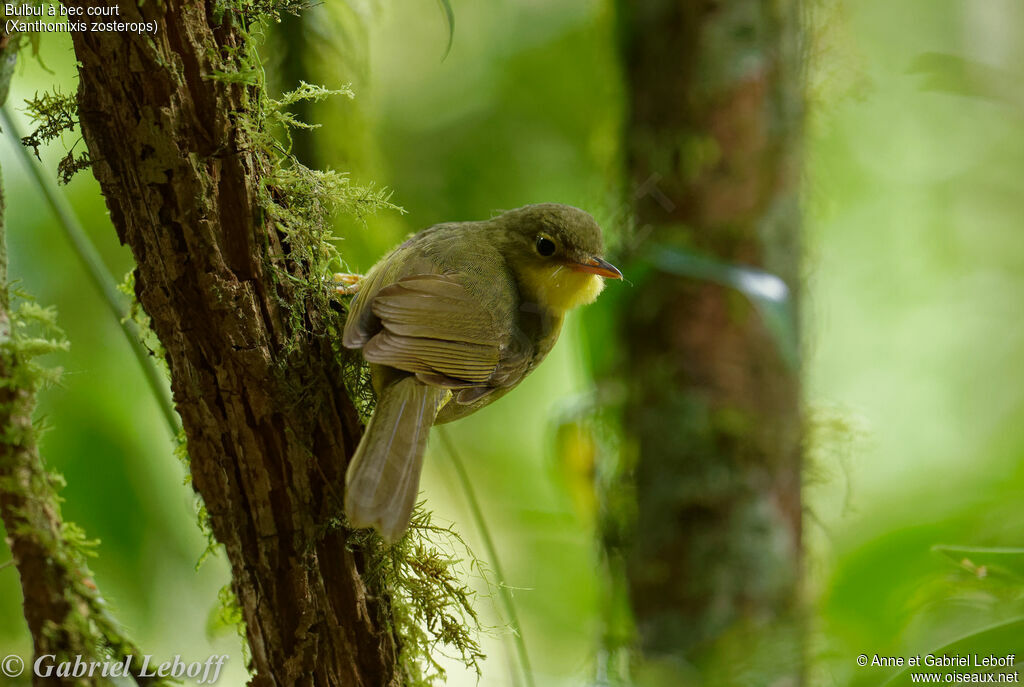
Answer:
(911, 327)
(914, 198)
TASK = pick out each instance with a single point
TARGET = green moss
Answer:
(432, 607)
(226, 617)
(300, 202)
(144, 326)
(52, 114)
(33, 333)
(256, 11)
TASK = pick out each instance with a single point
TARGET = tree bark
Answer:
(713, 407)
(255, 376)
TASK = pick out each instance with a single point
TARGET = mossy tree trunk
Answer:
(713, 408)
(255, 374)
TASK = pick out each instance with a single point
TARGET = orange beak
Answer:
(597, 266)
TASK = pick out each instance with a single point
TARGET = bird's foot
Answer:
(347, 284)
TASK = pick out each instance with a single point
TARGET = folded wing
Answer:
(432, 326)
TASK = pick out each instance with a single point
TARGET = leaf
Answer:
(768, 293)
(449, 15)
(999, 640)
(986, 560)
(946, 73)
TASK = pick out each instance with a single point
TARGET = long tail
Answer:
(383, 478)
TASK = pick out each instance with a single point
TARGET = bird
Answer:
(450, 321)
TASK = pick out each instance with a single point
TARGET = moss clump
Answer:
(258, 11)
(432, 607)
(226, 617)
(144, 325)
(33, 333)
(53, 114)
(298, 201)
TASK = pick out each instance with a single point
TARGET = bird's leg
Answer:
(347, 284)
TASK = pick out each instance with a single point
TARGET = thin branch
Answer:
(492, 553)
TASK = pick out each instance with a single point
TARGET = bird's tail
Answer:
(384, 476)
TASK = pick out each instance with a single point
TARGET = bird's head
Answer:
(556, 252)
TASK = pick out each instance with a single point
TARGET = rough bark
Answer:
(259, 390)
(713, 407)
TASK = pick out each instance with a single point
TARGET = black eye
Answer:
(545, 246)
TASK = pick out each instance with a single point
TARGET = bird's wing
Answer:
(432, 325)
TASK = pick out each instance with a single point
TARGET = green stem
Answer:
(98, 273)
(492, 553)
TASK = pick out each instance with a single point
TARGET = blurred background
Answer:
(912, 327)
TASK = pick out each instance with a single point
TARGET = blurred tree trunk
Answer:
(713, 408)
(255, 376)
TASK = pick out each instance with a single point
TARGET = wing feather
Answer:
(432, 325)
(435, 307)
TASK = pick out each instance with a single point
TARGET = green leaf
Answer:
(983, 560)
(768, 293)
(946, 73)
(449, 15)
(999, 640)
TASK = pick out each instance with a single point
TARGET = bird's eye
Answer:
(545, 246)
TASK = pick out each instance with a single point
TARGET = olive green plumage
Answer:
(450, 321)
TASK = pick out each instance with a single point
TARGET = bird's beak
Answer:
(596, 266)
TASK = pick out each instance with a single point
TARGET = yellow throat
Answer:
(559, 288)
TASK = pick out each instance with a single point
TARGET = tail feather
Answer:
(384, 476)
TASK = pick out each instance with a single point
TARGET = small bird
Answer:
(450, 321)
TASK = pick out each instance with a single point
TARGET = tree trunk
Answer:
(713, 407)
(255, 373)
